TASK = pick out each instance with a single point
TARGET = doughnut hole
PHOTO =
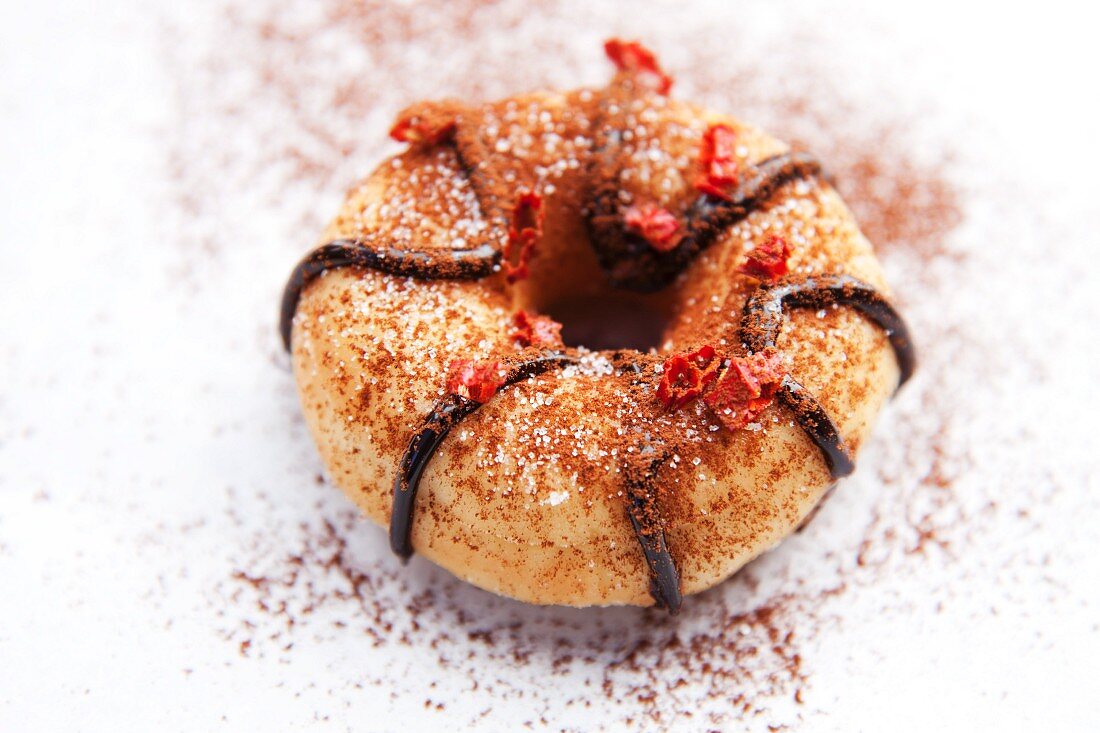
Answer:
(609, 321)
(567, 284)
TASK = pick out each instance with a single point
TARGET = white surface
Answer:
(150, 443)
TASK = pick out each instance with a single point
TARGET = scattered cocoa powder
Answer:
(637, 659)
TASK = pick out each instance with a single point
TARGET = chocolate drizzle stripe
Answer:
(664, 576)
(819, 427)
(760, 323)
(710, 216)
(631, 263)
(763, 313)
(447, 413)
(465, 264)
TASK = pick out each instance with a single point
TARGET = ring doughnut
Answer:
(591, 347)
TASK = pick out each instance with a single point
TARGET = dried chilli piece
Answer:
(686, 376)
(425, 123)
(706, 360)
(746, 387)
(768, 260)
(523, 234)
(718, 161)
(658, 226)
(475, 380)
(634, 58)
(535, 330)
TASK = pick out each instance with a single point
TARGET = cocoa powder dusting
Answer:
(740, 651)
(638, 661)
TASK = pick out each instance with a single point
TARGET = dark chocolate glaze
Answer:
(447, 413)
(644, 513)
(462, 264)
(818, 426)
(709, 216)
(763, 312)
(630, 262)
(763, 317)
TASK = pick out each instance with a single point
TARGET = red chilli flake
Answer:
(747, 387)
(657, 226)
(634, 58)
(686, 376)
(423, 124)
(523, 234)
(768, 260)
(475, 380)
(535, 330)
(717, 161)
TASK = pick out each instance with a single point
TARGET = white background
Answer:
(151, 450)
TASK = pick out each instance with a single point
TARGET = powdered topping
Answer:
(633, 58)
(475, 380)
(535, 330)
(747, 386)
(523, 235)
(420, 201)
(685, 377)
(535, 143)
(424, 123)
(658, 226)
(768, 260)
(717, 161)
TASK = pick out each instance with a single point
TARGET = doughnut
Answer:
(593, 347)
